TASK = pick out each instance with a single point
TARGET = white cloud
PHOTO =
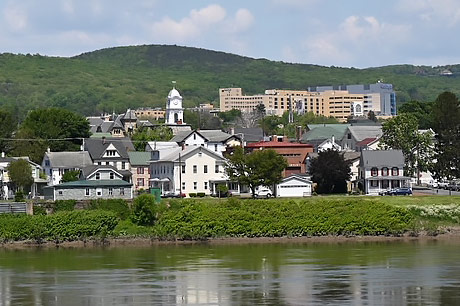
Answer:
(243, 20)
(445, 12)
(355, 39)
(294, 3)
(191, 26)
(15, 18)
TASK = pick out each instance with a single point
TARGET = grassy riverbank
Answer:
(198, 219)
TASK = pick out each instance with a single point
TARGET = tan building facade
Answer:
(155, 113)
(337, 104)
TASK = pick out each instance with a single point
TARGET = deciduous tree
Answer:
(330, 171)
(7, 127)
(20, 173)
(401, 132)
(446, 124)
(143, 135)
(258, 168)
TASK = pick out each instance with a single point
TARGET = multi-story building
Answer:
(338, 104)
(379, 97)
(294, 153)
(154, 113)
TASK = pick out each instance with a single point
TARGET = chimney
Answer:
(232, 131)
(333, 140)
(48, 149)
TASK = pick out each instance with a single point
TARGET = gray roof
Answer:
(360, 132)
(249, 134)
(96, 147)
(173, 155)
(79, 159)
(99, 125)
(215, 135)
(92, 183)
(382, 158)
(130, 115)
(209, 135)
(318, 133)
(347, 155)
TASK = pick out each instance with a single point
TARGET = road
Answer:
(434, 191)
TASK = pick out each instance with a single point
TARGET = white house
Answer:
(192, 170)
(294, 186)
(381, 170)
(55, 164)
(329, 144)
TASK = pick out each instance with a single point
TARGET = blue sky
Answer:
(349, 33)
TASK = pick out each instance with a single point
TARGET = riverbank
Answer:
(217, 221)
(449, 234)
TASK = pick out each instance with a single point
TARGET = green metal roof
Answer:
(139, 158)
(93, 183)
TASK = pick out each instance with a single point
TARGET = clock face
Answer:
(175, 102)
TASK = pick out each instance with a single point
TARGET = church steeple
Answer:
(174, 110)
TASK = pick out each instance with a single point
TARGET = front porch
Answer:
(377, 185)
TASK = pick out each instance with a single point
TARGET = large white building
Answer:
(192, 170)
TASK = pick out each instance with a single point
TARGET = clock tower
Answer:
(174, 110)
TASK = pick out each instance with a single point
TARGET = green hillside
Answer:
(117, 78)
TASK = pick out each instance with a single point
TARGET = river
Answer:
(334, 273)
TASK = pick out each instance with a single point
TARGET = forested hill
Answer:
(117, 78)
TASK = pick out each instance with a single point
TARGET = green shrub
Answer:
(200, 194)
(60, 226)
(64, 205)
(118, 206)
(192, 194)
(144, 210)
(197, 219)
(39, 210)
(19, 196)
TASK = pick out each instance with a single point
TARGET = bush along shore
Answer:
(201, 219)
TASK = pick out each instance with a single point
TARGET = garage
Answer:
(294, 186)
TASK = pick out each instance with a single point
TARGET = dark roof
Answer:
(92, 183)
(249, 134)
(382, 158)
(96, 147)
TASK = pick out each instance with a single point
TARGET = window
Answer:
(194, 169)
(99, 192)
(110, 153)
(195, 185)
(123, 165)
(60, 192)
(87, 192)
(98, 176)
(205, 169)
(384, 171)
(194, 136)
(215, 147)
(99, 163)
(394, 171)
(122, 191)
(107, 163)
(205, 185)
(374, 171)
(374, 183)
(140, 170)
(216, 169)
(385, 184)
(183, 185)
(47, 163)
(183, 168)
(140, 182)
(110, 191)
(112, 175)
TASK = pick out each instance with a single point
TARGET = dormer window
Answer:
(374, 171)
(98, 176)
(111, 152)
(194, 136)
(384, 171)
(394, 171)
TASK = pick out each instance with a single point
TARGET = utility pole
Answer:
(180, 177)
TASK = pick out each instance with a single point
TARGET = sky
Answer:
(345, 33)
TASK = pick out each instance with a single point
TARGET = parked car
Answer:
(263, 193)
(173, 195)
(442, 185)
(397, 191)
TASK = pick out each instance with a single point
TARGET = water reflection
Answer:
(397, 273)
